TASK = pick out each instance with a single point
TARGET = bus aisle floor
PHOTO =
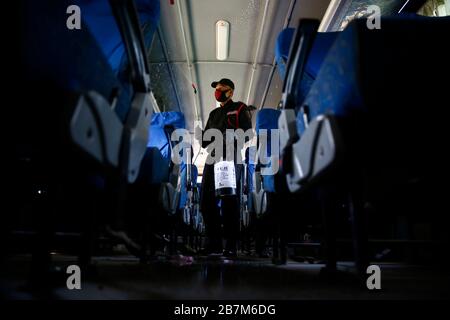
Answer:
(123, 277)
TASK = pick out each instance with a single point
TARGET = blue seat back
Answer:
(100, 20)
(319, 50)
(92, 58)
(251, 166)
(57, 57)
(155, 167)
(268, 119)
(282, 47)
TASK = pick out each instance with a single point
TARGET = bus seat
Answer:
(322, 43)
(250, 165)
(100, 20)
(364, 114)
(266, 119)
(246, 190)
(157, 164)
(371, 91)
(157, 168)
(69, 66)
(282, 46)
(189, 195)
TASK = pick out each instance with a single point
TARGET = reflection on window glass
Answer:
(354, 9)
(435, 8)
(359, 9)
(161, 77)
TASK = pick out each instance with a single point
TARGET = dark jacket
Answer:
(225, 117)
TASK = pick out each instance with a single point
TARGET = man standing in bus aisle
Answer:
(230, 115)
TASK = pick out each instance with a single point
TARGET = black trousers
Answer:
(227, 215)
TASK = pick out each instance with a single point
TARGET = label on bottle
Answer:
(224, 175)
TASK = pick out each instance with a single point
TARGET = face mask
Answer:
(221, 95)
